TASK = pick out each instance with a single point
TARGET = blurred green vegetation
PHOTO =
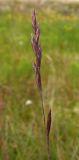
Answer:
(22, 133)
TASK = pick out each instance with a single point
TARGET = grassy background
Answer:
(22, 135)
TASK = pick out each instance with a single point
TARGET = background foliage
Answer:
(22, 135)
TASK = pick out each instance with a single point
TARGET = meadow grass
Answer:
(23, 131)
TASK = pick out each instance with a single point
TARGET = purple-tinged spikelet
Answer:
(37, 49)
(48, 125)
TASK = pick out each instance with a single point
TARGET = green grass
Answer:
(23, 128)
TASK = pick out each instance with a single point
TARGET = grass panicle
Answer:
(36, 66)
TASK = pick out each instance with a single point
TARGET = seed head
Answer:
(36, 48)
